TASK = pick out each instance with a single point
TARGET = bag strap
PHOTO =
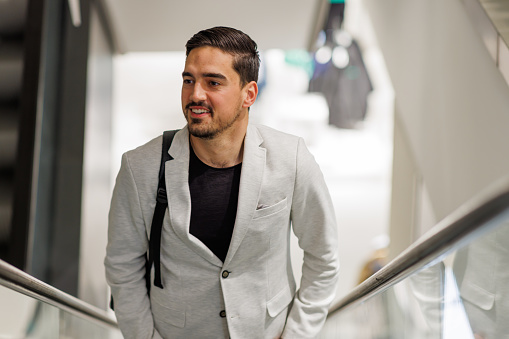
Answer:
(154, 253)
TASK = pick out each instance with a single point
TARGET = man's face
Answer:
(213, 100)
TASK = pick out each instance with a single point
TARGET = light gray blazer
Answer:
(281, 185)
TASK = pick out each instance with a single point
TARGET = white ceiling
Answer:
(166, 25)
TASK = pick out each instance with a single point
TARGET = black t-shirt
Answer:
(214, 197)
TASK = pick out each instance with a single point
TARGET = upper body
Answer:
(280, 184)
(281, 188)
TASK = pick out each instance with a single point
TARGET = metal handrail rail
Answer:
(470, 220)
(17, 280)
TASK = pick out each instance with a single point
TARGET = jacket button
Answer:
(225, 274)
(222, 314)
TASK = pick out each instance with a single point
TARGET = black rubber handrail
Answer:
(475, 217)
(21, 282)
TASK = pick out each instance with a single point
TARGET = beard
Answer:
(208, 130)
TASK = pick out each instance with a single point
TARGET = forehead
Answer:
(209, 59)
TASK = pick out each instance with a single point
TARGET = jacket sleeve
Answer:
(125, 258)
(314, 224)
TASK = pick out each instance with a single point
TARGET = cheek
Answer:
(184, 97)
(232, 101)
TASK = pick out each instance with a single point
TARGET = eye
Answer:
(187, 81)
(214, 83)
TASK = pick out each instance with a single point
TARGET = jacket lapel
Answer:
(179, 197)
(253, 165)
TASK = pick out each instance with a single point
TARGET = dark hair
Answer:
(246, 60)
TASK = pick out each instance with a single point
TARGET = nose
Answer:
(198, 94)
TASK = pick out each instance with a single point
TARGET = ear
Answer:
(251, 90)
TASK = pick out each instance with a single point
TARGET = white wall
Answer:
(452, 101)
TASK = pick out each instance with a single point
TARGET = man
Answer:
(234, 190)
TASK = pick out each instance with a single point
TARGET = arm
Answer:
(314, 223)
(125, 258)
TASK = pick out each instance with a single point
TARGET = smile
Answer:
(199, 111)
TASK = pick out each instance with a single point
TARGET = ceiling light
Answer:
(323, 55)
(340, 57)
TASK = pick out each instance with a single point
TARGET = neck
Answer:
(225, 150)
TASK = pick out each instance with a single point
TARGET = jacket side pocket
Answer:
(279, 302)
(165, 315)
(477, 295)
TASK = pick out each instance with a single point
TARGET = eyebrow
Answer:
(206, 75)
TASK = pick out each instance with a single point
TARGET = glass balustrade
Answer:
(462, 295)
(22, 316)
(29, 308)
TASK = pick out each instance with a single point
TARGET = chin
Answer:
(201, 133)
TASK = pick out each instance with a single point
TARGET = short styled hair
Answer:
(246, 60)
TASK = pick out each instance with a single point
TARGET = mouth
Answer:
(198, 111)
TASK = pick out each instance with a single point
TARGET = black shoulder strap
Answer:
(154, 252)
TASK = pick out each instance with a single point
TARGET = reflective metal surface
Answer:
(452, 283)
(478, 215)
(21, 282)
(464, 294)
(24, 317)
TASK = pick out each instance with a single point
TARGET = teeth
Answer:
(199, 111)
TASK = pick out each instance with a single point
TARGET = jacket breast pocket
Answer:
(265, 211)
(167, 315)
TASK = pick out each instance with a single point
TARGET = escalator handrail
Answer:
(469, 221)
(17, 280)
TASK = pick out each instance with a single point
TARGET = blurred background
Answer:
(403, 103)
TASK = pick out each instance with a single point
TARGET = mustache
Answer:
(199, 103)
